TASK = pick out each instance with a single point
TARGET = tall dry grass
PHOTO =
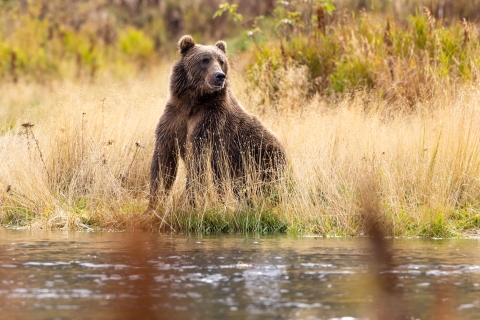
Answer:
(85, 162)
(85, 158)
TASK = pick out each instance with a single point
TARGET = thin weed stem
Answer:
(28, 127)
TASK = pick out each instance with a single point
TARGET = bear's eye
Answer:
(221, 62)
(206, 61)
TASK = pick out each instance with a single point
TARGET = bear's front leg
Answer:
(163, 170)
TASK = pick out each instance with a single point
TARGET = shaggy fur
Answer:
(205, 125)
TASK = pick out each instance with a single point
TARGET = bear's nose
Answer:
(219, 76)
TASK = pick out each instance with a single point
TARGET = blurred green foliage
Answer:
(344, 44)
(401, 57)
(135, 43)
(35, 46)
(41, 39)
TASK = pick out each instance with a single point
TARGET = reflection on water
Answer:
(75, 275)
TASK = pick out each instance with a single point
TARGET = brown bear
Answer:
(205, 125)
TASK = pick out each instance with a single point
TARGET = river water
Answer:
(120, 275)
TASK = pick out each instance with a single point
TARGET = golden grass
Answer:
(85, 162)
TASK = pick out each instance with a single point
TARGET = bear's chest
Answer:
(206, 125)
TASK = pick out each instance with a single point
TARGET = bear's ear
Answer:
(185, 43)
(222, 46)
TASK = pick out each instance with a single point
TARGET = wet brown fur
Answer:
(199, 120)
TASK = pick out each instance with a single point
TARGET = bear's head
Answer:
(201, 69)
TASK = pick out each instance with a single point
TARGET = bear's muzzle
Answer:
(216, 80)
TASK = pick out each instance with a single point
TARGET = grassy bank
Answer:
(375, 107)
(82, 160)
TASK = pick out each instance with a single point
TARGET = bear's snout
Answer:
(216, 80)
(219, 77)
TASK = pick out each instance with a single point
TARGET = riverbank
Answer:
(80, 160)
